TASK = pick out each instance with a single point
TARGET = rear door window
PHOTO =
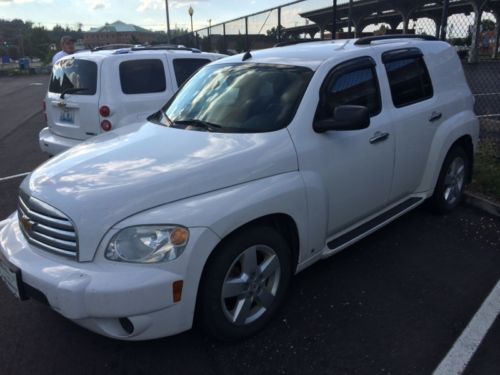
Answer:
(142, 76)
(408, 77)
(184, 68)
(73, 74)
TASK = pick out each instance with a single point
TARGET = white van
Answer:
(94, 92)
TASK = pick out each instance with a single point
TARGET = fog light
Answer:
(127, 325)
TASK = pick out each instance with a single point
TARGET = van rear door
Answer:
(72, 106)
(137, 86)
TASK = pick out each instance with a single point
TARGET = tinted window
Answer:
(409, 80)
(74, 74)
(357, 87)
(247, 98)
(142, 76)
(184, 68)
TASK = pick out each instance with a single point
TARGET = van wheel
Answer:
(450, 187)
(244, 283)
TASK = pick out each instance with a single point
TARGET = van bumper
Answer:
(54, 144)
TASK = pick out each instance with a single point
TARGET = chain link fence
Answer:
(471, 26)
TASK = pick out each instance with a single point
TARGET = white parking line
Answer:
(464, 348)
(487, 93)
(14, 176)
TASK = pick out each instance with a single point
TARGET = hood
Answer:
(113, 176)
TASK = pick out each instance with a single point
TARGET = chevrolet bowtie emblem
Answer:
(61, 104)
(27, 223)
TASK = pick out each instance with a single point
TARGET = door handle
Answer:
(435, 116)
(379, 137)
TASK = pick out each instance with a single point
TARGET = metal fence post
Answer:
(497, 35)
(334, 20)
(349, 21)
(278, 28)
(444, 19)
(247, 45)
(224, 40)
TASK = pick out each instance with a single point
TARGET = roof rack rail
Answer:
(369, 39)
(298, 41)
(166, 48)
(109, 47)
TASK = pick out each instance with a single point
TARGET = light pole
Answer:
(168, 22)
(191, 11)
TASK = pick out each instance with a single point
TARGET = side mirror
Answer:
(345, 118)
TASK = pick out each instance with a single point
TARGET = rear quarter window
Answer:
(142, 76)
(74, 74)
(184, 68)
(409, 81)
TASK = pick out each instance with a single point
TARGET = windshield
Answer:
(246, 98)
(73, 75)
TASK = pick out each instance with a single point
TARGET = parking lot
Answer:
(394, 303)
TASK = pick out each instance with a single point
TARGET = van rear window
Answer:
(73, 74)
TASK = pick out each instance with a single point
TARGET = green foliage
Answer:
(25, 39)
(134, 40)
(486, 179)
(487, 25)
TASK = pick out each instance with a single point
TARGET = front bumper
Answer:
(97, 295)
(54, 144)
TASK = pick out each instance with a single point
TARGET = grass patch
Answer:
(486, 178)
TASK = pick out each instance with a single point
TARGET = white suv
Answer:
(96, 91)
(261, 165)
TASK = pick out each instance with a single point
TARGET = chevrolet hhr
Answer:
(261, 165)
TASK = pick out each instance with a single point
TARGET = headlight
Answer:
(148, 244)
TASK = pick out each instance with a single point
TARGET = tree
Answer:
(487, 25)
(383, 29)
(273, 32)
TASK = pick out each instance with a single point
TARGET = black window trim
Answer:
(349, 66)
(402, 54)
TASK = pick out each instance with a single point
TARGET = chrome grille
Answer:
(46, 227)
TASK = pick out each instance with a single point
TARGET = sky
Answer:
(149, 14)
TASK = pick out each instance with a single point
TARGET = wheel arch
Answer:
(283, 223)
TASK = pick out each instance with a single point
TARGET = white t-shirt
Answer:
(59, 55)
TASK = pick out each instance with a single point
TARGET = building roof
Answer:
(118, 27)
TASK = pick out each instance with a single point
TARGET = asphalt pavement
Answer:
(394, 303)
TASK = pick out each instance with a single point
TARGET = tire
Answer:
(244, 283)
(450, 186)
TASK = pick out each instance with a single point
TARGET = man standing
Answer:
(68, 48)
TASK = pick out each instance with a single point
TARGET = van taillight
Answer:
(106, 125)
(104, 111)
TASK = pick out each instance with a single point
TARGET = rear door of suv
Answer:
(416, 114)
(134, 87)
(71, 102)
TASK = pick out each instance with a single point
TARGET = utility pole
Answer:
(168, 22)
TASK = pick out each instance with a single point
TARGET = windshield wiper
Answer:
(72, 91)
(199, 124)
